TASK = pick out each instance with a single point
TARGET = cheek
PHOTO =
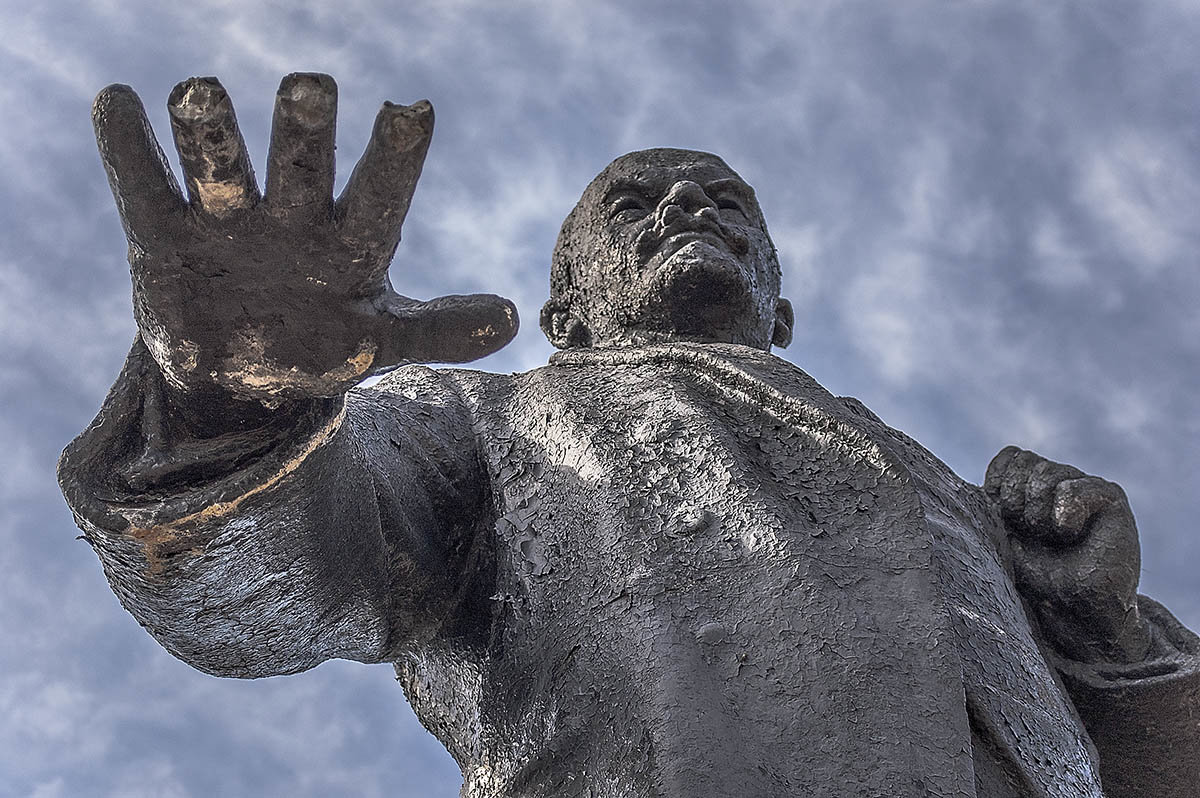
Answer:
(609, 265)
(619, 255)
(766, 266)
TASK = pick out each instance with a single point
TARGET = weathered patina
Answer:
(668, 563)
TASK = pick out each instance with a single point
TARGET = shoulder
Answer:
(437, 386)
(856, 407)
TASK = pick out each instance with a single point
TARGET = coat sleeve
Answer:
(1144, 718)
(330, 528)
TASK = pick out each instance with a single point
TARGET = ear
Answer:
(561, 326)
(781, 336)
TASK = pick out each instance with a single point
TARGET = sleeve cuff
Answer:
(1174, 651)
(1144, 717)
(138, 466)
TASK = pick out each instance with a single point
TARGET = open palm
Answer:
(281, 294)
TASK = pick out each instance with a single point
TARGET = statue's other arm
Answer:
(1144, 717)
(1132, 670)
(251, 514)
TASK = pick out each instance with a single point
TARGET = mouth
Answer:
(673, 243)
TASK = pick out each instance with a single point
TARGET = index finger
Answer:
(996, 470)
(145, 191)
(301, 160)
(375, 201)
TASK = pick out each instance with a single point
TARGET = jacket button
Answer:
(693, 522)
(711, 633)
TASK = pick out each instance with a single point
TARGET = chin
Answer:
(703, 275)
(701, 292)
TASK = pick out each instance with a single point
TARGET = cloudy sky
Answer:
(986, 212)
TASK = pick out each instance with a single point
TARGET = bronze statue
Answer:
(668, 563)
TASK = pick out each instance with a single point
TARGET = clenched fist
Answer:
(1075, 553)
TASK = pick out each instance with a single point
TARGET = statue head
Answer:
(666, 245)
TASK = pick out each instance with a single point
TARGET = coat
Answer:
(675, 570)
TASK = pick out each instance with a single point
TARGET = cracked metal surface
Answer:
(676, 570)
(666, 564)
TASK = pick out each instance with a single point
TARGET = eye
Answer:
(628, 208)
(726, 202)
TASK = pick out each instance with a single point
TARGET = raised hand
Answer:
(1076, 555)
(284, 295)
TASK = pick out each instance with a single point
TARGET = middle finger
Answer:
(216, 166)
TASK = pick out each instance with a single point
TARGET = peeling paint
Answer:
(250, 368)
(160, 535)
(220, 197)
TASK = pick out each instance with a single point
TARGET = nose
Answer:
(687, 196)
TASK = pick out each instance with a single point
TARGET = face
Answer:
(667, 245)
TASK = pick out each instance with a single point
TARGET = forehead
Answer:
(655, 171)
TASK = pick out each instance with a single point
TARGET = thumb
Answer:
(1079, 502)
(449, 329)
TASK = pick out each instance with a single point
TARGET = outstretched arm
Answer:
(1132, 670)
(249, 513)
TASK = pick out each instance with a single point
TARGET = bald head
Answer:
(666, 245)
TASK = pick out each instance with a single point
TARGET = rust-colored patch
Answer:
(188, 534)
(163, 542)
(220, 197)
(249, 368)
